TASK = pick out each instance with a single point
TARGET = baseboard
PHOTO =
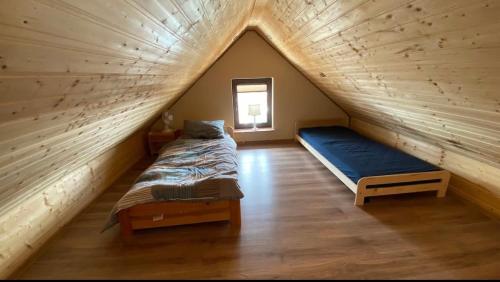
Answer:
(476, 194)
(265, 142)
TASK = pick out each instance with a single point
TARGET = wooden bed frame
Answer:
(171, 213)
(399, 183)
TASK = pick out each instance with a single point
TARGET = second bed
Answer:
(367, 167)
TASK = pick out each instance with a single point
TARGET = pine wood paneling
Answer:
(420, 68)
(31, 222)
(426, 68)
(79, 77)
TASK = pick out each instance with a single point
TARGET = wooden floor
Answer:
(298, 222)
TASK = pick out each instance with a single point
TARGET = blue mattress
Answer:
(357, 156)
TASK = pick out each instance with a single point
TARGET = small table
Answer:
(156, 139)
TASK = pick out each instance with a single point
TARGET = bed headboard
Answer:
(320, 122)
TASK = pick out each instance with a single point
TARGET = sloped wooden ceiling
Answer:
(424, 68)
(77, 77)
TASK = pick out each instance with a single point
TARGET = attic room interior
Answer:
(250, 139)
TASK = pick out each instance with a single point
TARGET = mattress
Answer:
(357, 156)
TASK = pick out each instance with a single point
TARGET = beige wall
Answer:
(295, 97)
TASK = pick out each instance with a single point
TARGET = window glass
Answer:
(252, 100)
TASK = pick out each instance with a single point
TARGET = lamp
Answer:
(167, 118)
(254, 110)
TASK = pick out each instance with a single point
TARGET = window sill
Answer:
(250, 130)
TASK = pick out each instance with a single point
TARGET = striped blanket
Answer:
(186, 170)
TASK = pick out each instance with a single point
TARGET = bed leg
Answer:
(125, 225)
(360, 200)
(234, 208)
(444, 184)
(360, 195)
(441, 193)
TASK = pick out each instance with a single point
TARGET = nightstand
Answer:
(156, 139)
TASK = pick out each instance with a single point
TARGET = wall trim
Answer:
(265, 142)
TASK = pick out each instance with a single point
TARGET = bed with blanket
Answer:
(367, 167)
(193, 180)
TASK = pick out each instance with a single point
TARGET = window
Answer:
(252, 101)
